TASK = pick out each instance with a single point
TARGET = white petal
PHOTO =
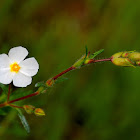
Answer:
(17, 54)
(4, 61)
(29, 66)
(21, 80)
(6, 76)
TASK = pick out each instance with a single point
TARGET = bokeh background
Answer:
(98, 102)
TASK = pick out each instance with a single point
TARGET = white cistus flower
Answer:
(14, 68)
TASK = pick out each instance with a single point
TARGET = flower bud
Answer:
(29, 108)
(117, 55)
(135, 56)
(39, 112)
(41, 90)
(125, 54)
(122, 62)
(138, 63)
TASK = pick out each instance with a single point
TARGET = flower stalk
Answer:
(22, 98)
(49, 83)
(126, 58)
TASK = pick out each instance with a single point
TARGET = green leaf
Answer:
(80, 62)
(61, 79)
(40, 84)
(4, 88)
(23, 121)
(96, 53)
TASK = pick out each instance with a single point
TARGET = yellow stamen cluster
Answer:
(15, 67)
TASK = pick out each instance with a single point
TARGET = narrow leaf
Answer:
(96, 53)
(40, 84)
(23, 121)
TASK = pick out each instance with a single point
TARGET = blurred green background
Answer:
(98, 102)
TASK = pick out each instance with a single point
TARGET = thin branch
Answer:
(63, 72)
(15, 106)
(22, 98)
(3, 104)
(54, 78)
(102, 60)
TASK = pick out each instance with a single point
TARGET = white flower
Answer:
(14, 68)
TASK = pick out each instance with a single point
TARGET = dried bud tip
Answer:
(39, 112)
(29, 108)
(50, 82)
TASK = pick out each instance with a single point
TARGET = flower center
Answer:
(15, 67)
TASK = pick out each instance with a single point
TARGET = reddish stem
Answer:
(15, 106)
(54, 78)
(22, 98)
(63, 72)
(101, 60)
(3, 104)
